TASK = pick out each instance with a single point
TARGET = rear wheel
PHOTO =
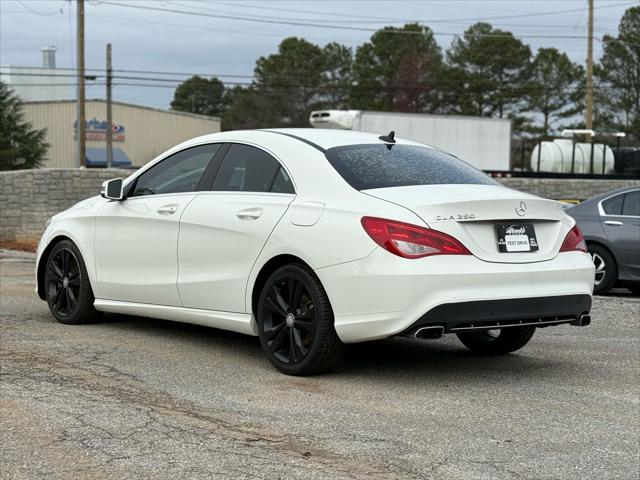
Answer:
(295, 322)
(67, 288)
(606, 269)
(497, 342)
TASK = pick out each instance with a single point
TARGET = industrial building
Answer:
(139, 133)
(40, 83)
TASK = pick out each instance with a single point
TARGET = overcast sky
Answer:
(209, 41)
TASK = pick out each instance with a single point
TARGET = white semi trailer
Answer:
(483, 142)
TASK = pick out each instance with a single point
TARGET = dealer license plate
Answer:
(516, 237)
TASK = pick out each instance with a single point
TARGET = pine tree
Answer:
(21, 146)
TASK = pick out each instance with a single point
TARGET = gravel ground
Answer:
(131, 397)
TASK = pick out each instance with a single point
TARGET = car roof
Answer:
(328, 138)
(319, 138)
(590, 206)
(611, 193)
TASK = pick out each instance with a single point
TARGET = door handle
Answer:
(615, 223)
(167, 209)
(249, 213)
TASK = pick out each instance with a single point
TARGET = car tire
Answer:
(295, 322)
(490, 343)
(606, 269)
(66, 285)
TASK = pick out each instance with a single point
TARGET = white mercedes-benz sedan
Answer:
(310, 239)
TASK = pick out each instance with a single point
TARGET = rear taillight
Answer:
(411, 241)
(574, 241)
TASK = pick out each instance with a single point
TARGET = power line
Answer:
(334, 27)
(42, 14)
(426, 21)
(171, 83)
(179, 80)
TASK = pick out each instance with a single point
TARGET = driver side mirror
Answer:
(112, 189)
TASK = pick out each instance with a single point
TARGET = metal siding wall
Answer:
(58, 119)
(147, 132)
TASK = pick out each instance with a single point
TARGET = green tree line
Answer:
(485, 72)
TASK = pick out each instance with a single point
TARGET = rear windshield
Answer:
(376, 166)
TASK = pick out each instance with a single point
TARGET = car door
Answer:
(136, 239)
(620, 217)
(223, 231)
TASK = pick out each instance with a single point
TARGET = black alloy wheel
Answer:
(497, 342)
(295, 322)
(63, 283)
(289, 320)
(67, 289)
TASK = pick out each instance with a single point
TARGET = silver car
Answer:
(610, 224)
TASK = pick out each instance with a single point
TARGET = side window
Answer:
(631, 204)
(180, 172)
(282, 183)
(613, 206)
(249, 169)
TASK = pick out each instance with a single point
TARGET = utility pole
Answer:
(80, 110)
(588, 121)
(109, 132)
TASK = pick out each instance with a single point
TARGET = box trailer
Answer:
(483, 142)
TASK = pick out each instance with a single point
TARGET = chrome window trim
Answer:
(209, 193)
(602, 212)
(159, 195)
(234, 192)
(131, 178)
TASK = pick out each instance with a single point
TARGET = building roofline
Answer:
(125, 104)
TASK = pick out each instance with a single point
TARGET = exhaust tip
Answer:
(432, 333)
(583, 321)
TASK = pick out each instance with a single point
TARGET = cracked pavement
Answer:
(138, 398)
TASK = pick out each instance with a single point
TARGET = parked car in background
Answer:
(610, 224)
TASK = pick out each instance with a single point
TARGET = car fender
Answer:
(335, 237)
(78, 225)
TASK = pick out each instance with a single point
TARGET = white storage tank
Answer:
(555, 157)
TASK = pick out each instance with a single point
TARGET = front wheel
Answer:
(497, 342)
(295, 322)
(67, 288)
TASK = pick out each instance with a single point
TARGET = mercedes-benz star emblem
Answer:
(521, 208)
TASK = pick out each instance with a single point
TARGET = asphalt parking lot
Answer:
(131, 397)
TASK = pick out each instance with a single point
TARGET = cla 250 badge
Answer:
(458, 216)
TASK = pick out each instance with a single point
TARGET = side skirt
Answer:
(236, 322)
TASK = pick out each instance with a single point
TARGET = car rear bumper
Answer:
(488, 314)
(384, 295)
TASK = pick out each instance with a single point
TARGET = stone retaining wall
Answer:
(565, 189)
(29, 197)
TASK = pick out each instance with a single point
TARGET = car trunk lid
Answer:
(471, 214)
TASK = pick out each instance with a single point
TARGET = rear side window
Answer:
(249, 169)
(282, 183)
(377, 166)
(631, 204)
(613, 205)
